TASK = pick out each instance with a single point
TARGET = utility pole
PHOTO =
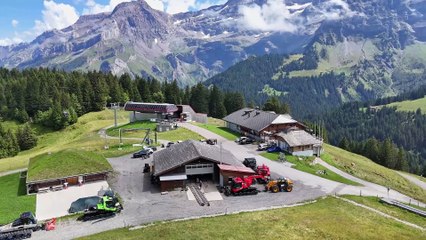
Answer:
(115, 106)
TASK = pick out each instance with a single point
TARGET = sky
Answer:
(23, 20)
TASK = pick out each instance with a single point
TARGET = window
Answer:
(205, 165)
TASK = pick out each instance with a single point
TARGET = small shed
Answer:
(230, 171)
(55, 171)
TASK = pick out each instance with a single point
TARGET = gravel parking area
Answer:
(143, 202)
(56, 204)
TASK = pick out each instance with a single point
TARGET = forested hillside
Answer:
(389, 137)
(305, 95)
(55, 98)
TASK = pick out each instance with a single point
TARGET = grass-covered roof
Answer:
(65, 163)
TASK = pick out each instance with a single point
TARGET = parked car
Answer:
(211, 141)
(244, 140)
(149, 150)
(250, 162)
(153, 148)
(141, 154)
(274, 149)
(263, 146)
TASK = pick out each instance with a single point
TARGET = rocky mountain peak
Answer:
(194, 46)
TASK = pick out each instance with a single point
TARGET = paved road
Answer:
(413, 180)
(369, 188)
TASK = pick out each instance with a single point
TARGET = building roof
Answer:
(65, 163)
(257, 119)
(239, 169)
(298, 138)
(182, 153)
(283, 119)
(150, 107)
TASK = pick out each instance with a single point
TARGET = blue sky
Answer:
(23, 20)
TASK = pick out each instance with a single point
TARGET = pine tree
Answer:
(158, 97)
(401, 160)
(216, 106)
(72, 116)
(371, 150)
(199, 100)
(272, 104)
(233, 101)
(387, 154)
(344, 144)
(275, 105)
(186, 95)
(11, 144)
(26, 137)
(58, 119)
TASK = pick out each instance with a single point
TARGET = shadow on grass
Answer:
(22, 188)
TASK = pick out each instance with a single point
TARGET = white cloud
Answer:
(207, 4)
(276, 15)
(10, 41)
(178, 6)
(175, 6)
(156, 4)
(55, 16)
(14, 23)
(336, 9)
(272, 16)
(93, 7)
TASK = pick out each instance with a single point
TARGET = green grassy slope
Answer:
(410, 105)
(368, 170)
(69, 162)
(388, 209)
(14, 199)
(221, 131)
(328, 218)
(83, 135)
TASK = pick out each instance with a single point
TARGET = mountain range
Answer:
(365, 39)
(377, 50)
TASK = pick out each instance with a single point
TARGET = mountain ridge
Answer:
(194, 46)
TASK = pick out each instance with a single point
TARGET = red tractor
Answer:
(241, 186)
(263, 174)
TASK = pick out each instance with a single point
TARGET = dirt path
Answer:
(413, 180)
(102, 133)
(12, 172)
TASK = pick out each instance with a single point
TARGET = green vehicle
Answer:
(107, 206)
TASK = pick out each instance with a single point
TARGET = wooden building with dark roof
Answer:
(174, 166)
(259, 124)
